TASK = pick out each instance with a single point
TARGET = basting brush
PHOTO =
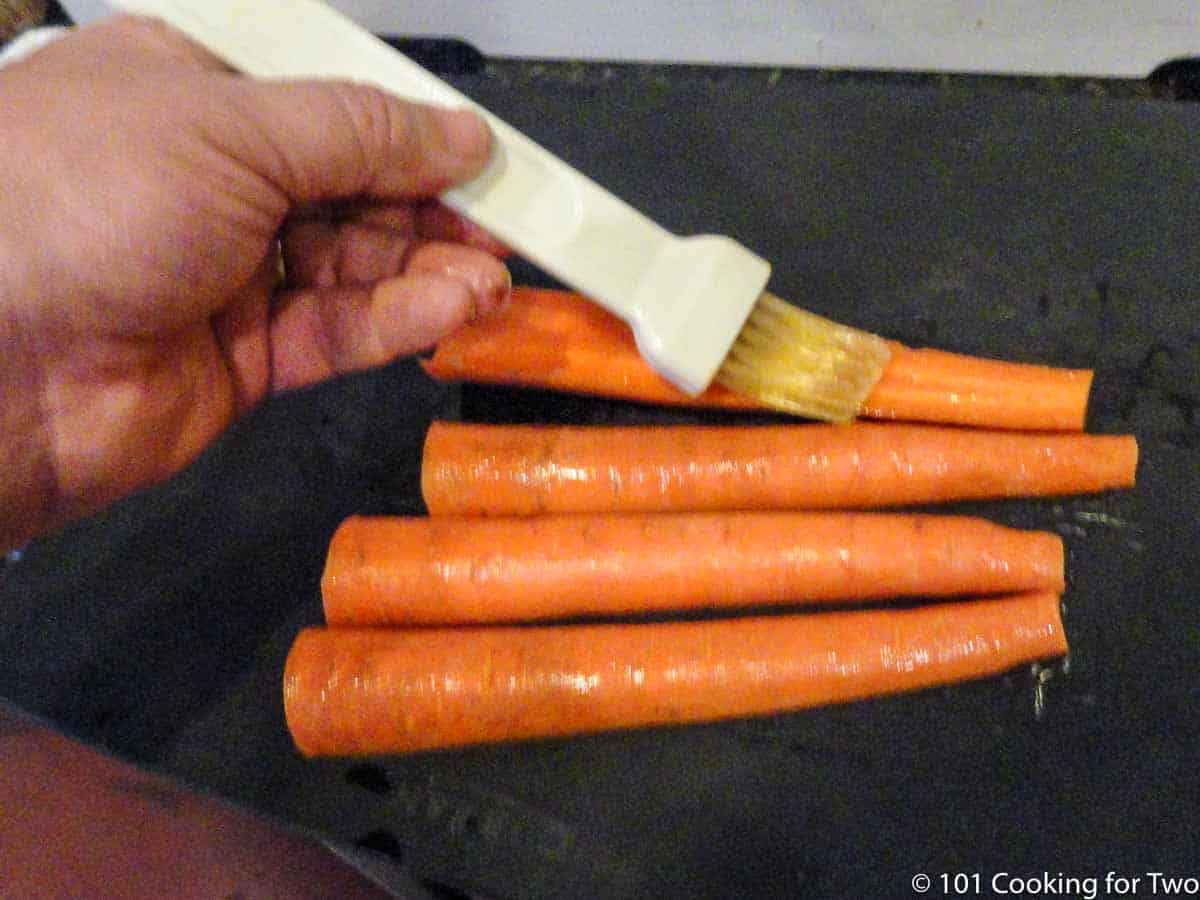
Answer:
(697, 305)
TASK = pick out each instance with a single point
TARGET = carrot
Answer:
(562, 341)
(504, 470)
(452, 570)
(371, 691)
(926, 385)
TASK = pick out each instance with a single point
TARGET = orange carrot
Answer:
(371, 691)
(562, 341)
(451, 570)
(927, 385)
(505, 470)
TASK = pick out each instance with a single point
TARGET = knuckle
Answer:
(386, 132)
(155, 34)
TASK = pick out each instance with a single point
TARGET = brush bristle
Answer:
(795, 361)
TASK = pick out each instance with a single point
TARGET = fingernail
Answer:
(491, 292)
(466, 134)
(501, 292)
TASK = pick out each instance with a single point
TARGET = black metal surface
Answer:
(1033, 225)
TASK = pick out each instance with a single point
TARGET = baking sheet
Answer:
(1018, 219)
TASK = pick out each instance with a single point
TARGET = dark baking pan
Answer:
(1020, 219)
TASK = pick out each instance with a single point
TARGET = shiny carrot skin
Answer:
(452, 570)
(926, 385)
(353, 692)
(562, 341)
(506, 470)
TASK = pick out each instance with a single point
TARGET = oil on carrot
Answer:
(505, 470)
(350, 692)
(562, 341)
(454, 570)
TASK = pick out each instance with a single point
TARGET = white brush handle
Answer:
(686, 298)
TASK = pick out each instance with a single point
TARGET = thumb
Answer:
(321, 140)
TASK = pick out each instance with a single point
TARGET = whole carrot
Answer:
(450, 570)
(504, 470)
(562, 341)
(372, 691)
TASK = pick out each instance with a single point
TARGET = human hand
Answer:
(146, 193)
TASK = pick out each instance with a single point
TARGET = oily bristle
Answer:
(803, 364)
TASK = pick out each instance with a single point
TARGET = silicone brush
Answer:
(697, 305)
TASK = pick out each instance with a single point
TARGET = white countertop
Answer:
(1074, 37)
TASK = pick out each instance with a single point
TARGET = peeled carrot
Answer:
(370, 691)
(925, 385)
(451, 570)
(506, 470)
(562, 341)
